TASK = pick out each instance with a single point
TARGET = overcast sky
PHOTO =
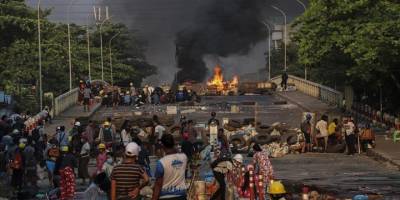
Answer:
(157, 21)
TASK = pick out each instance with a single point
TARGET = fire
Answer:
(217, 82)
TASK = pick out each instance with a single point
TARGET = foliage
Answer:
(19, 52)
(353, 42)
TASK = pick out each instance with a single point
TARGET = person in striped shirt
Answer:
(126, 177)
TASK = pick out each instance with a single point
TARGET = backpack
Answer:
(107, 135)
(54, 152)
(16, 163)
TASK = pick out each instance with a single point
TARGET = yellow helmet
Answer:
(21, 145)
(102, 146)
(106, 123)
(64, 149)
(276, 187)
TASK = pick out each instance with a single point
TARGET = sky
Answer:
(158, 21)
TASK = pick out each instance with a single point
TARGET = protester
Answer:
(322, 131)
(213, 119)
(220, 167)
(65, 166)
(285, 78)
(276, 191)
(62, 137)
(17, 166)
(170, 173)
(306, 129)
(84, 158)
(109, 165)
(125, 177)
(89, 132)
(263, 164)
(367, 138)
(52, 153)
(223, 143)
(101, 158)
(159, 131)
(350, 129)
(188, 149)
(87, 93)
(143, 158)
(30, 163)
(332, 131)
(125, 134)
(106, 134)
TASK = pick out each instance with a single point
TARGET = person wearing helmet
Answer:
(101, 158)
(126, 177)
(64, 169)
(106, 134)
(305, 128)
(276, 191)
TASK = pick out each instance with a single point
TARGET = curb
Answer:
(381, 157)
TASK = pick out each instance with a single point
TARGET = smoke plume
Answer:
(224, 27)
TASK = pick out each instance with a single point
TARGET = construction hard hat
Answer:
(21, 145)
(238, 158)
(15, 131)
(102, 146)
(77, 124)
(64, 149)
(106, 123)
(132, 149)
(276, 187)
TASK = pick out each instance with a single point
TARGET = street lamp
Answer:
(101, 49)
(285, 31)
(40, 58)
(88, 45)
(69, 44)
(269, 49)
(305, 8)
(111, 67)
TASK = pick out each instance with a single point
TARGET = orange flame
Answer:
(218, 80)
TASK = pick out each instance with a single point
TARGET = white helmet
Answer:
(238, 158)
(132, 149)
(77, 124)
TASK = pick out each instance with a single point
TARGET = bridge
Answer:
(302, 96)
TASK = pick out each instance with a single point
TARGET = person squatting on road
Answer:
(126, 177)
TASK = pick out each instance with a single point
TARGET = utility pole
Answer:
(285, 32)
(269, 49)
(69, 44)
(305, 8)
(111, 67)
(88, 46)
(40, 58)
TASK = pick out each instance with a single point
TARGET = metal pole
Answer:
(101, 50)
(285, 32)
(40, 58)
(305, 8)
(269, 49)
(69, 45)
(88, 46)
(111, 67)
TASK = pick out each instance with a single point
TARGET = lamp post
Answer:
(40, 58)
(111, 67)
(69, 44)
(101, 49)
(88, 46)
(285, 31)
(269, 49)
(305, 8)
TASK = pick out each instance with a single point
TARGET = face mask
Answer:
(109, 160)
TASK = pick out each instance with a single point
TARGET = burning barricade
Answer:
(218, 86)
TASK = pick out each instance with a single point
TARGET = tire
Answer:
(262, 139)
(280, 102)
(339, 148)
(289, 138)
(237, 140)
(247, 121)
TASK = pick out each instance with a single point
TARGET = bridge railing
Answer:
(69, 99)
(324, 93)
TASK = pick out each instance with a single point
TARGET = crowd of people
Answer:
(328, 134)
(132, 96)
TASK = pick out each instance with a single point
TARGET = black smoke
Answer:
(224, 27)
